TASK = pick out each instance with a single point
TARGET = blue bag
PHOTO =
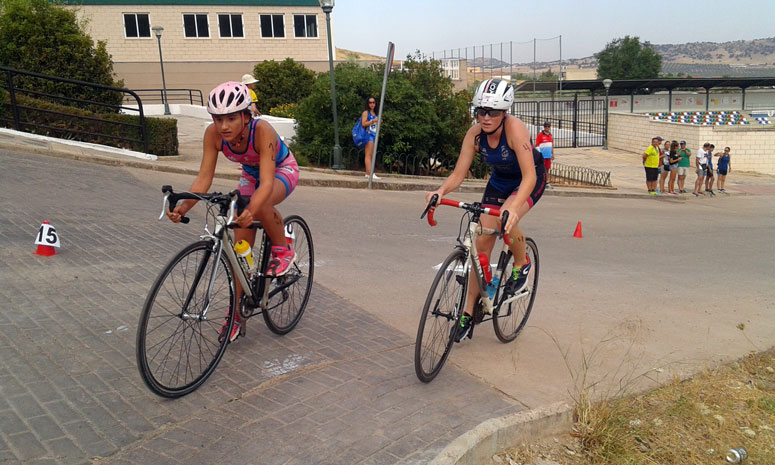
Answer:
(360, 136)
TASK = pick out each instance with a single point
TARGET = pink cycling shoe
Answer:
(282, 259)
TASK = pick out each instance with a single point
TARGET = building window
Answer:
(196, 25)
(137, 25)
(230, 25)
(305, 25)
(272, 26)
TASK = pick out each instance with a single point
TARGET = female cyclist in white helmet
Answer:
(269, 172)
(517, 182)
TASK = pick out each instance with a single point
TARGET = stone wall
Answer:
(752, 148)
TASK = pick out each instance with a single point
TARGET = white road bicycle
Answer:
(440, 319)
(191, 308)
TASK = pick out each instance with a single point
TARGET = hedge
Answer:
(162, 132)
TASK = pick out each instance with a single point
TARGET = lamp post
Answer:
(327, 6)
(606, 83)
(157, 30)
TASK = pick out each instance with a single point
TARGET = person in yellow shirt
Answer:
(250, 81)
(651, 164)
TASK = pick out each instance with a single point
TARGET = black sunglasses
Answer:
(493, 113)
(372, 101)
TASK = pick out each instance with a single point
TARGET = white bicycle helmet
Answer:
(494, 93)
(229, 97)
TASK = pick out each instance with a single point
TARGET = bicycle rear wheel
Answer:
(509, 318)
(439, 320)
(289, 294)
(177, 346)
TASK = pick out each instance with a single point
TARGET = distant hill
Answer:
(344, 55)
(740, 58)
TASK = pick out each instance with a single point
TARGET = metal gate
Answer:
(575, 123)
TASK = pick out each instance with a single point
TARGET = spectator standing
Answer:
(724, 166)
(683, 166)
(651, 164)
(709, 177)
(250, 81)
(674, 159)
(701, 166)
(545, 145)
(369, 121)
(664, 166)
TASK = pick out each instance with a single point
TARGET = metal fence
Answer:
(575, 123)
(40, 118)
(190, 96)
(580, 175)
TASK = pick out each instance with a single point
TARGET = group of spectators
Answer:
(672, 162)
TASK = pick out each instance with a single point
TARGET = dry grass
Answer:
(694, 421)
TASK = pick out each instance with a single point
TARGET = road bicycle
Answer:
(440, 319)
(191, 307)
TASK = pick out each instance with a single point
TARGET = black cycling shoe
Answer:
(518, 279)
(464, 328)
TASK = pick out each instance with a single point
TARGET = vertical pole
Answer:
(669, 100)
(575, 119)
(605, 130)
(707, 98)
(491, 65)
(560, 62)
(337, 149)
(632, 101)
(388, 64)
(14, 108)
(743, 107)
(163, 82)
(534, 66)
(511, 59)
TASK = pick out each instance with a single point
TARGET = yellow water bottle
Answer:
(243, 251)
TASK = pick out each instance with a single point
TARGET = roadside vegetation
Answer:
(692, 421)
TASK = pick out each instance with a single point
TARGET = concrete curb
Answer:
(56, 148)
(479, 444)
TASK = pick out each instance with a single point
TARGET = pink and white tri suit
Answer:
(286, 168)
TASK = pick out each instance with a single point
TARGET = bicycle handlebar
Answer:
(470, 207)
(232, 199)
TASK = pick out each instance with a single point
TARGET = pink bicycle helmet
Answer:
(229, 97)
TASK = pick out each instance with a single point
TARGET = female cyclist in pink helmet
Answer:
(269, 172)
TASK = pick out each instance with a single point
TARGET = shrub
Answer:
(281, 83)
(100, 128)
(42, 37)
(287, 110)
(423, 116)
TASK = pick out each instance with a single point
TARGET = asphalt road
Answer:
(653, 289)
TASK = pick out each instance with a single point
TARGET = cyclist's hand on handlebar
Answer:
(429, 196)
(512, 219)
(246, 218)
(176, 214)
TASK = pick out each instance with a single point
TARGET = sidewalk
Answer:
(627, 175)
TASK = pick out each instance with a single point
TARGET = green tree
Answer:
(281, 83)
(423, 116)
(41, 37)
(628, 58)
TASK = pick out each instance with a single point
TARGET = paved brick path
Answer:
(339, 389)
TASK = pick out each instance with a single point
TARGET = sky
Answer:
(586, 26)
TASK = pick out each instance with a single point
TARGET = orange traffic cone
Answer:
(578, 231)
(45, 250)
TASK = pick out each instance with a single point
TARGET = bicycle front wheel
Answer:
(510, 317)
(289, 294)
(439, 320)
(179, 344)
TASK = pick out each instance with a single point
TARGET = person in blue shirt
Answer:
(724, 166)
(517, 181)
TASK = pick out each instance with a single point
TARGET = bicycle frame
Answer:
(468, 243)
